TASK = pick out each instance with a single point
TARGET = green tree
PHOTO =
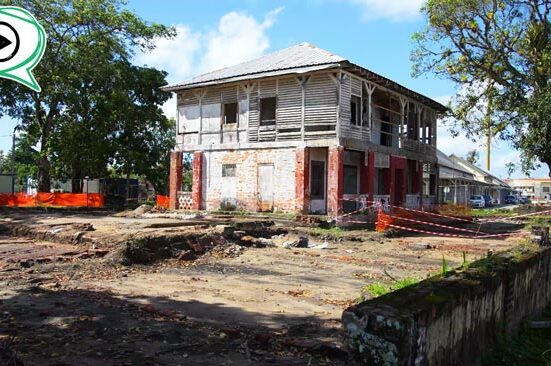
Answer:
(511, 168)
(89, 50)
(472, 156)
(497, 51)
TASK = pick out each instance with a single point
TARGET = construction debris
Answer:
(301, 242)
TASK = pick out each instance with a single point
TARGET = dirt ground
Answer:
(67, 299)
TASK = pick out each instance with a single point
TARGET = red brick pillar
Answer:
(371, 179)
(364, 173)
(197, 186)
(175, 179)
(302, 180)
(335, 181)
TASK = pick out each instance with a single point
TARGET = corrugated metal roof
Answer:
(445, 160)
(480, 171)
(299, 56)
(292, 60)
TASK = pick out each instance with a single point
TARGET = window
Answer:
(228, 170)
(355, 110)
(317, 180)
(230, 113)
(267, 111)
(545, 189)
(350, 179)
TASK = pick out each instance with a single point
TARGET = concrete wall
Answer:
(245, 185)
(452, 320)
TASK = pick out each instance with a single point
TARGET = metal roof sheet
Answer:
(299, 56)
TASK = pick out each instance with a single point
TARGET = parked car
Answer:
(511, 200)
(488, 200)
(523, 200)
(478, 201)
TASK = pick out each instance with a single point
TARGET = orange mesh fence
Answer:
(52, 199)
(383, 221)
(162, 201)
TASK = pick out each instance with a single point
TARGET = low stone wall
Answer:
(451, 320)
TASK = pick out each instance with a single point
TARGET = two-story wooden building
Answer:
(303, 130)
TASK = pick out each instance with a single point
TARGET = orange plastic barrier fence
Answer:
(162, 201)
(52, 199)
(383, 221)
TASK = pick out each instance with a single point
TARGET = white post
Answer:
(403, 105)
(200, 95)
(370, 90)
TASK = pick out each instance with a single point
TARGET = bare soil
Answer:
(69, 299)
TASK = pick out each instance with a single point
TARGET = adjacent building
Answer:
(303, 130)
(538, 190)
(456, 183)
(460, 179)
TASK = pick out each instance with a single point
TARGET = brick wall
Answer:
(197, 190)
(335, 180)
(246, 179)
(175, 178)
(302, 180)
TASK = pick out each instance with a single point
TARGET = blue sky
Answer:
(373, 33)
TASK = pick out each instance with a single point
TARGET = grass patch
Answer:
(492, 212)
(332, 232)
(377, 289)
(530, 347)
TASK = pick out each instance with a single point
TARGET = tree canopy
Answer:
(498, 51)
(96, 109)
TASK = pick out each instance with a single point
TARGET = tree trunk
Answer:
(76, 185)
(44, 184)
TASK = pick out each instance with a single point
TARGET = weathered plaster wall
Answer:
(214, 186)
(452, 320)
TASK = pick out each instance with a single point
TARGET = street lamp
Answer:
(14, 170)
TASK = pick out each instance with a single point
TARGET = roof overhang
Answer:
(392, 85)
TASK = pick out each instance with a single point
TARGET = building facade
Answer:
(303, 130)
(459, 180)
(538, 190)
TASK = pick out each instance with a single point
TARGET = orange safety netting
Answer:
(52, 199)
(383, 221)
(162, 201)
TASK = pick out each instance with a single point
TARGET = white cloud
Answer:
(176, 56)
(394, 10)
(238, 37)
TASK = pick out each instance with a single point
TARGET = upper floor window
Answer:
(230, 113)
(355, 110)
(268, 111)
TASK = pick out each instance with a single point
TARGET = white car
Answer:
(478, 201)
